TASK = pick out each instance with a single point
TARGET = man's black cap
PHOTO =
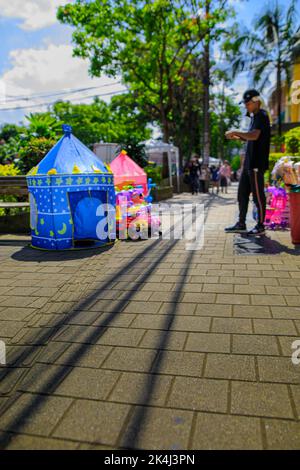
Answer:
(248, 95)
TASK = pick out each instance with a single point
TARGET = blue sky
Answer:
(36, 55)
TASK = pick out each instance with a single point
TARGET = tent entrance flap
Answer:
(89, 216)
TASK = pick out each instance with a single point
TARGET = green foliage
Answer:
(154, 172)
(235, 163)
(43, 125)
(292, 141)
(8, 131)
(278, 142)
(9, 142)
(267, 48)
(8, 170)
(9, 150)
(152, 45)
(135, 150)
(118, 121)
(226, 115)
(33, 151)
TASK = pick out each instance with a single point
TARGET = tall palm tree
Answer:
(269, 49)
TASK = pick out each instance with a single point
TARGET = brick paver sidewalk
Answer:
(148, 345)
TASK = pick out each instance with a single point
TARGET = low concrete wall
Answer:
(19, 223)
(160, 194)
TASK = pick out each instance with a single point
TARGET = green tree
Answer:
(269, 50)
(136, 150)
(8, 131)
(119, 121)
(9, 142)
(226, 114)
(292, 141)
(32, 151)
(43, 125)
(90, 122)
(150, 44)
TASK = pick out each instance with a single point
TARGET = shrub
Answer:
(8, 170)
(292, 141)
(33, 151)
(235, 163)
(154, 172)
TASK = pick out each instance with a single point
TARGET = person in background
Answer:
(194, 173)
(215, 178)
(204, 178)
(225, 175)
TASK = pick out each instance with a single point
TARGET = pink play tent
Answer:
(127, 172)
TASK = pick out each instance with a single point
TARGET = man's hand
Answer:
(231, 135)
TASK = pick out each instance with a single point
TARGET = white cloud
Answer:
(50, 70)
(35, 14)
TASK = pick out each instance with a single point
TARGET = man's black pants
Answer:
(252, 181)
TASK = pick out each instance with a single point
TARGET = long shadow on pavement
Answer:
(56, 378)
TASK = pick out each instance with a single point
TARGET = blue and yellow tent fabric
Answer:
(71, 193)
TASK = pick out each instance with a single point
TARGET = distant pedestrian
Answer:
(215, 179)
(225, 175)
(194, 173)
(204, 178)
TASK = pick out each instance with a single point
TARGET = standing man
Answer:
(255, 164)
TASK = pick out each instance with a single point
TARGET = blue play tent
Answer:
(72, 198)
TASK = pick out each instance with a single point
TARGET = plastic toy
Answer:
(134, 217)
(127, 172)
(276, 208)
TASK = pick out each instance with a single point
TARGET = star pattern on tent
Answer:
(79, 180)
(34, 183)
(40, 182)
(69, 181)
(87, 180)
(58, 181)
(103, 179)
(48, 181)
(96, 180)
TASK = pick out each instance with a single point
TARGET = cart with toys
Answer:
(287, 171)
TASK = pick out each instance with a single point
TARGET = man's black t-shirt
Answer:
(257, 151)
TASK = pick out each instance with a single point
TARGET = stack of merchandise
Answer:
(288, 171)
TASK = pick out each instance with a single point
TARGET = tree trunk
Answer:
(279, 94)
(165, 126)
(206, 83)
(222, 123)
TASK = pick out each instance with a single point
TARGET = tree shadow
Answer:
(51, 383)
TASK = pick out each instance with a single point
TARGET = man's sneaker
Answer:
(257, 230)
(236, 228)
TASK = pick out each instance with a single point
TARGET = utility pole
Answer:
(206, 95)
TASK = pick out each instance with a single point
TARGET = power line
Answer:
(53, 102)
(70, 92)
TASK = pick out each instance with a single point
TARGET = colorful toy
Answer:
(127, 172)
(69, 193)
(275, 212)
(134, 217)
